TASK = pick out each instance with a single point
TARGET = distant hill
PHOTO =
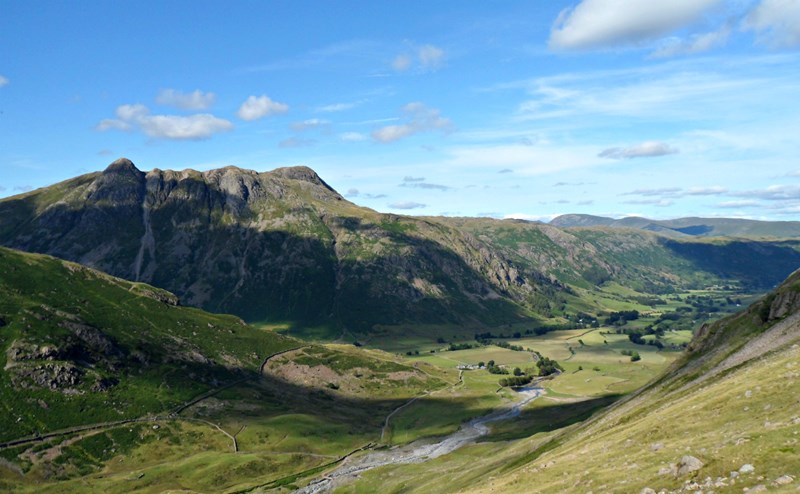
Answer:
(688, 227)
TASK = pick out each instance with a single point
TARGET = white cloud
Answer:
(112, 124)
(311, 123)
(664, 191)
(647, 149)
(610, 23)
(697, 43)
(256, 107)
(196, 100)
(336, 107)
(530, 217)
(431, 57)
(352, 137)
(714, 190)
(3, 81)
(776, 22)
(739, 204)
(191, 127)
(132, 112)
(178, 127)
(662, 203)
(419, 118)
(407, 205)
(773, 193)
(401, 63)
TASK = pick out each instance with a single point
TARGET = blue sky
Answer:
(502, 109)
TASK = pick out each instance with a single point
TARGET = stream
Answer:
(418, 451)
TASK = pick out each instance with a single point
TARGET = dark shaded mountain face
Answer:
(276, 246)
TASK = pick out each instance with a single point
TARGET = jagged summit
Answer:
(122, 165)
(303, 173)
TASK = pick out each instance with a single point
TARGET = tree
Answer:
(481, 364)
(490, 364)
(517, 371)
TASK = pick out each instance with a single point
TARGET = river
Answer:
(418, 451)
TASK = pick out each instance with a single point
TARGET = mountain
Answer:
(687, 227)
(276, 246)
(284, 247)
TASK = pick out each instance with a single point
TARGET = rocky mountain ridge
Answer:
(285, 247)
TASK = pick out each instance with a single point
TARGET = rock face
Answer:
(275, 246)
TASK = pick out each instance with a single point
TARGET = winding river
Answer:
(418, 451)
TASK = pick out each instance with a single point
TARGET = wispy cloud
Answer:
(401, 63)
(506, 170)
(772, 193)
(647, 149)
(256, 107)
(196, 100)
(407, 205)
(697, 43)
(176, 127)
(296, 142)
(4, 81)
(310, 124)
(419, 118)
(352, 137)
(428, 58)
(662, 203)
(776, 23)
(336, 107)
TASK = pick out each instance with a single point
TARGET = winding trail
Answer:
(418, 451)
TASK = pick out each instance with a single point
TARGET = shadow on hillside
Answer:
(742, 261)
(202, 252)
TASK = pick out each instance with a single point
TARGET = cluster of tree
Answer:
(515, 381)
(622, 317)
(504, 344)
(651, 301)
(633, 354)
(415, 352)
(461, 346)
(495, 369)
(548, 366)
(490, 336)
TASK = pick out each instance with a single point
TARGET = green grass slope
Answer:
(724, 418)
(79, 346)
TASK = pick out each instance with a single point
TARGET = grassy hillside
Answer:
(722, 418)
(79, 346)
(109, 385)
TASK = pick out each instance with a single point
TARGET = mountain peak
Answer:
(303, 173)
(122, 165)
